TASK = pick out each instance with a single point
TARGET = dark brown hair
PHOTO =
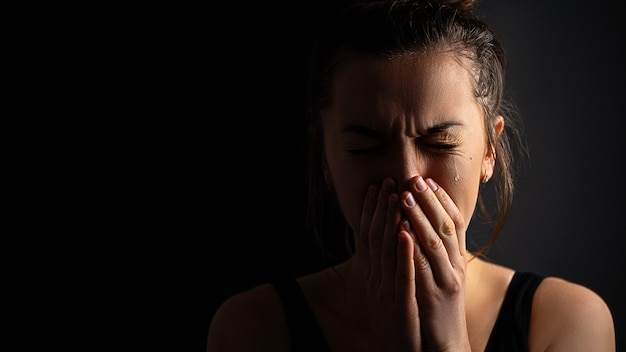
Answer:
(392, 28)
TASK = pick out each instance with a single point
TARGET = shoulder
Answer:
(250, 320)
(569, 317)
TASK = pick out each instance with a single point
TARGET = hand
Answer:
(416, 276)
(392, 304)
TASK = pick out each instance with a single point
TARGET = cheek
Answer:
(460, 179)
(464, 196)
(349, 180)
(350, 188)
(350, 197)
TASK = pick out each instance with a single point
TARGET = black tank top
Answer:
(510, 332)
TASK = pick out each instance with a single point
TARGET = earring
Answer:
(485, 179)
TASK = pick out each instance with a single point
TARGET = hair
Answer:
(387, 29)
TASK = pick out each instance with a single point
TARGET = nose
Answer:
(407, 164)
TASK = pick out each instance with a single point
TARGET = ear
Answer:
(489, 160)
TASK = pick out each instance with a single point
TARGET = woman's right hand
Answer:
(392, 304)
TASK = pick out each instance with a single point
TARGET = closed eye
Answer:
(362, 140)
(442, 146)
(441, 141)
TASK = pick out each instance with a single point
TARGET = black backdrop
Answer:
(237, 193)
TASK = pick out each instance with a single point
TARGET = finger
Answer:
(377, 232)
(434, 229)
(389, 247)
(453, 212)
(424, 278)
(440, 220)
(405, 273)
(422, 234)
(406, 281)
(369, 206)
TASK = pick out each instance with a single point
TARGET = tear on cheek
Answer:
(457, 177)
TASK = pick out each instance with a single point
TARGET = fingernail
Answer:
(387, 187)
(420, 185)
(409, 200)
(432, 184)
(406, 225)
(373, 192)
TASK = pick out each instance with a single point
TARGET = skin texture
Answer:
(420, 132)
(412, 96)
(405, 152)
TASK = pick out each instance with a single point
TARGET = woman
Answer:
(408, 127)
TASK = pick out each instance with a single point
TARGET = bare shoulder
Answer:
(570, 317)
(252, 320)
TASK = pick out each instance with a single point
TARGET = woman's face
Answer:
(399, 118)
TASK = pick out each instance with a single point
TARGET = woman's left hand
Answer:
(435, 228)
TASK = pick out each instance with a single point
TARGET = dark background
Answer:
(241, 189)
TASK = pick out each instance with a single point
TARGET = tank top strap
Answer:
(305, 333)
(510, 332)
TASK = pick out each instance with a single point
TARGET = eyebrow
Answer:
(442, 127)
(362, 130)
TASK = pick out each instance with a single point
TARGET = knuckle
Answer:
(458, 220)
(421, 262)
(435, 243)
(448, 227)
(456, 286)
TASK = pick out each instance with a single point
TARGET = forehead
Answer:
(416, 87)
